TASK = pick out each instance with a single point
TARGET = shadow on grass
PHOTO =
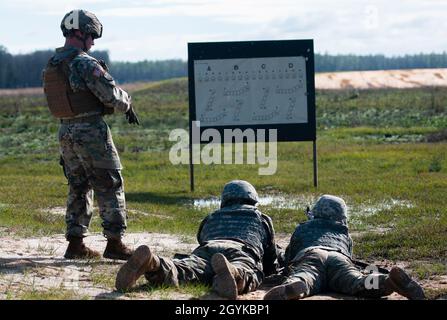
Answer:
(156, 198)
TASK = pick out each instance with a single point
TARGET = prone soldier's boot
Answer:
(142, 261)
(78, 250)
(227, 282)
(117, 250)
(402, 283)
(288, 291)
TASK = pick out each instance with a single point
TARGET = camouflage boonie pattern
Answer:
(90, 158)
(330, 208)
(324, 270)
(237, 191)
(196, 267)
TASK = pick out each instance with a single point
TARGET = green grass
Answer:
(374, 147)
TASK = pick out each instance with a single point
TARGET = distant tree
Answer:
(25, 70)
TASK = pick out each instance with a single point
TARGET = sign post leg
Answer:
(315, 164)
(191, 164)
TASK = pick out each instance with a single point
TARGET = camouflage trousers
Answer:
(92, 165)
(324, 270)
(197, 268)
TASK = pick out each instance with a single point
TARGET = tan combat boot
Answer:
(289, 291)
(404, 285)
(227, 282)
(117, 250)
(78, 250)
(142, 261)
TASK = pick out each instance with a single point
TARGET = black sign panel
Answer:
(254, 84)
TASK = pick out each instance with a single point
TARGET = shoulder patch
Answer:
(98, 71)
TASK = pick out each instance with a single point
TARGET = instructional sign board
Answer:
(255, 84)
(251, 91)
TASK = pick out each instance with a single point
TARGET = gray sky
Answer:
(160, 29)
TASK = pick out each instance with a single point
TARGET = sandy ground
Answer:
(412, 78)
(37, 265)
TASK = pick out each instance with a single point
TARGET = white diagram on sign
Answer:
(251, 91)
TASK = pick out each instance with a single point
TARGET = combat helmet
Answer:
(238, 191)
(82, 20)
(330, 208)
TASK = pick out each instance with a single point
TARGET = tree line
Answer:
(25, 70)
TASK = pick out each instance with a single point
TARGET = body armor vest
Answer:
(63, 102)
(242, 225)
(321, 233)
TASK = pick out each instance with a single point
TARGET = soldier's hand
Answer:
(132, 117)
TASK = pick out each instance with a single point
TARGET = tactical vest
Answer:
(320, 233)
(242, 225)
(63, 102)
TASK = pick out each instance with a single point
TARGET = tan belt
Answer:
(91, 119)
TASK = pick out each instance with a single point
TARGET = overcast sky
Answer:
(160, 29)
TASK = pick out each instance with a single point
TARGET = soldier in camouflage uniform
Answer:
(319, 255)
(79, 92)
(236, 249)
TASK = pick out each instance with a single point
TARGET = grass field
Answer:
(383, 151)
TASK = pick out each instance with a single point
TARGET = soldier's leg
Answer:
(345, 277)
(249, 268)
(79, 200)
(93, 143)
(238, 270)
(306, 277)
(108, 186)
(80, 195)
(192, 268)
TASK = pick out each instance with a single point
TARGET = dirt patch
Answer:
(37, 265)
(380, 79)
(437, 136)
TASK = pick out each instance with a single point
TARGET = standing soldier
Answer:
(79, 91)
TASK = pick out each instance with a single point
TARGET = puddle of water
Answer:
(302, 201)
(371, 209)
(278, 202)
(388, 138)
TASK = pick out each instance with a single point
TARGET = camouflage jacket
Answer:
(87, 73)
(243, 223)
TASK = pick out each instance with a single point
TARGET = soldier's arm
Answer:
(272, 252)
(102, 84)
(199, 240)
(351, 244)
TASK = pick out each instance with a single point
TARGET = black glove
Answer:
(132, 117)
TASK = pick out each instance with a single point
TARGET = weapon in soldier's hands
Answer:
(309, 214)
(132, 117)
(364, 265)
